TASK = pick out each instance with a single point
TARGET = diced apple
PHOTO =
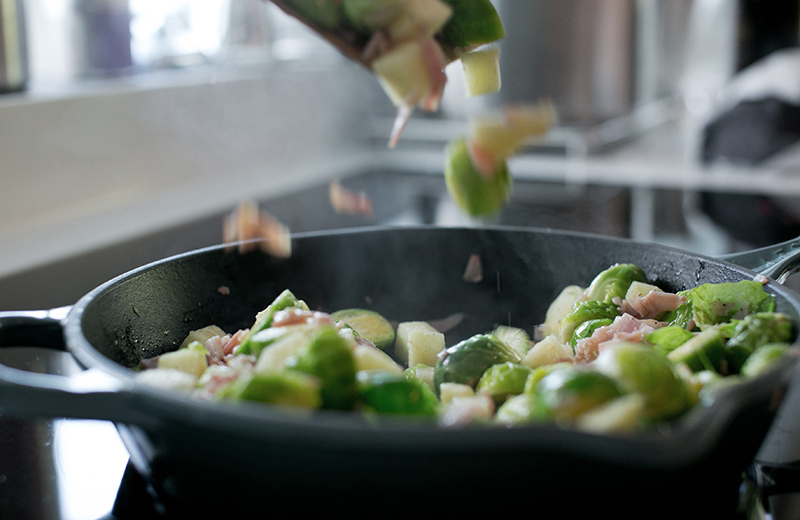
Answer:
(481, 71)
(418, 343)
(167, 379)
(502, 134)
(189, 360)
(547, 352)
(202, 335)
(420, 18)
(448, 391)
(368, 357)
(403, 73)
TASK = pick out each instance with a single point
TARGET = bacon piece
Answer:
(247, 223)
(288, 317)
(624, 328)
(473, 273)
(650, 305)
(435, 62)
(462, 411)
(346, 201)
(400, 121)
(484, 161)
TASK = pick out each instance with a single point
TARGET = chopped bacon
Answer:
(247, 223)
(345, 201)
(448, 323)
(435, 62)
(400, 121)
(473, 273)
(624, 328)
(288, 317)
(650, 305)
(462, 411)
(484, 161)
(379, 43)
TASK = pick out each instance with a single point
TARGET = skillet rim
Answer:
(701, 423)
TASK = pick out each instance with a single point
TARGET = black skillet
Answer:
(251, 459)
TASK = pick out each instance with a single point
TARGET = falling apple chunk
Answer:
(481, 72)
(476, 169)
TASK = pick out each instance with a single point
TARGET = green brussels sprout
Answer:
(284, 388)
(466, 361)
(514, 337)
(567, 393)
(587, 328)
(539, 372)
(560, 307)
(393, 393)
(762, 359)
(285, 300)
(704, 351)
(503, 380)
(522, 409)
(474, 193)
(581, 312)
(614, 282)
(756, 330)
(713, 386)
(639, 368)
(328, 357)
(666, 339)
(715, 303)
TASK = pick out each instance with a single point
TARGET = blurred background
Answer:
(130, 128)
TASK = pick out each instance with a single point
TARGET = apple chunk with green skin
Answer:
(481, 72)
(403, 74)
(501, 135)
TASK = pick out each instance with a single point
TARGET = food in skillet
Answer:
(620, 355)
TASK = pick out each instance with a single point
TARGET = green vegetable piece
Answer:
(392, 393)
(324, 13)
(614, 282)
(369, 15)
(704, 351)
(503, 380)
(587, 328)
(763, 358)
(567, 393)
(287, 388)
(755, 330)
(639, 368)
(584, 311)
(465, 362)
(666, 339)
(474, 193)
(474, 22)
(285, 300)
(328, 357)
(368, 324)
(715, 303)
(514, 337)
(522, 409)
(539, 372)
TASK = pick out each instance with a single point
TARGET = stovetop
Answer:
(68, 469)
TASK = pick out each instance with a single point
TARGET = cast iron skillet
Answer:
(250, 459)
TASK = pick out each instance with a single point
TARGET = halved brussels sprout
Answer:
(328, 357)
(581, 312)
(465, 362)
(639, 368)
(754, 331)
(614, 282)
(392, 393)
(569, 392)
(503, 380)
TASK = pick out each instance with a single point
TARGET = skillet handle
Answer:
(777, 261)
(89, 394)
